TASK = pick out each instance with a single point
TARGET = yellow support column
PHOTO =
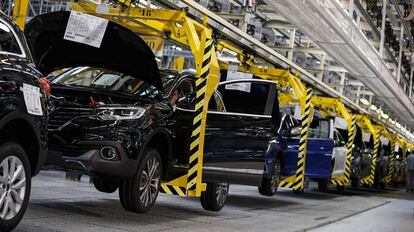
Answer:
(332, 105)
(20, 10)
(367, 125)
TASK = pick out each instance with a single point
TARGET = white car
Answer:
(339, 155)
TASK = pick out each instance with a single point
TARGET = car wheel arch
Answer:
(21, 128)
(160, 140)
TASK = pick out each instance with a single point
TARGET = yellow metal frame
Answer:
(20, 10)
(392, 139)
(177, 27)
(404, 146)
(366, 125)
(301, 94)
(330, 106)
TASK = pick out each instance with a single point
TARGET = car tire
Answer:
(322, 185)
(269, 185)
(14, 188)
(103, 185)
(139, 193)
(215, 196)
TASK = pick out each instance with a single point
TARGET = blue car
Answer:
(326, 150)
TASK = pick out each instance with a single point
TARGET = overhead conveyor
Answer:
(366, 125)
(334, 106)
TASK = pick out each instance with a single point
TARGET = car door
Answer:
(320, 149)
(339, 155)
(240, 125)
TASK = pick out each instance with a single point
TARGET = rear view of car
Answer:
(23, 117)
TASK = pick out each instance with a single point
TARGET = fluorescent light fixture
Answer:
(364, 101)
(373, 108)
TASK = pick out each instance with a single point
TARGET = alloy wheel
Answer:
(276, 176)
(12, 187)
(149, 183)
(221, 193)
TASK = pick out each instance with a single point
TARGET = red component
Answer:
(45, 84)
(92, 102)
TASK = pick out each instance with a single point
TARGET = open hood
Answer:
(121, 49)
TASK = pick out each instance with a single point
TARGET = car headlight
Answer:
(119, 113)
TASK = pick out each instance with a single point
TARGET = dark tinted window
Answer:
(245, 97)
(319, 129)
(8, 42)
(99, 78)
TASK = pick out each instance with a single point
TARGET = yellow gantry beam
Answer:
(302, 95)
(392, 140)
(367, 125)
(20, 10)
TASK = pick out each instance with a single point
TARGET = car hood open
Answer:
(121, 49)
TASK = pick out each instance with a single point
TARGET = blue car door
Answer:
(319, 151)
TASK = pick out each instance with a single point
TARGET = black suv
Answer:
(128, 125)
(23, 117)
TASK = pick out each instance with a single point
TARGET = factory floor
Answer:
(60, 205)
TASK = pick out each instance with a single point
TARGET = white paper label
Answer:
(341, 123)
(298, 113)
(234, 75)
(366, 136)
(384, 141)
(102, 9)
(31, 96)
(86, 29)
(397, 147)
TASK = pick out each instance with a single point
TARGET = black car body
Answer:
(129, 127)
(23, 135)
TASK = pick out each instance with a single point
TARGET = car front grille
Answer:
(61, 115)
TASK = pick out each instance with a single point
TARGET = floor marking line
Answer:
(342, 218)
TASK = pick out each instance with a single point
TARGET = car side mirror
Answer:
(293, 132)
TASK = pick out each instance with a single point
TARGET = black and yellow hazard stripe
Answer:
(350, 146)
(391, 164)
(201, 83)
(374, 158)
(173, 190)
(306, 120)
(342, 181)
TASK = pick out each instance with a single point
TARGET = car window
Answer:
(246, 97)
(184, 90)
(98, 79)
(8, 41)
(216, 103)
(321, 131)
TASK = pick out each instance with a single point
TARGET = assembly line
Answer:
(102, 111)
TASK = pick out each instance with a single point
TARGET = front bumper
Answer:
(85, 158)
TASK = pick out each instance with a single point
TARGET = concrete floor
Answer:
(59, 205)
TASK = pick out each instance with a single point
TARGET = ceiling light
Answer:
(364, 101)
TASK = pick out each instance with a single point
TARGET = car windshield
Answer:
(103, 79)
